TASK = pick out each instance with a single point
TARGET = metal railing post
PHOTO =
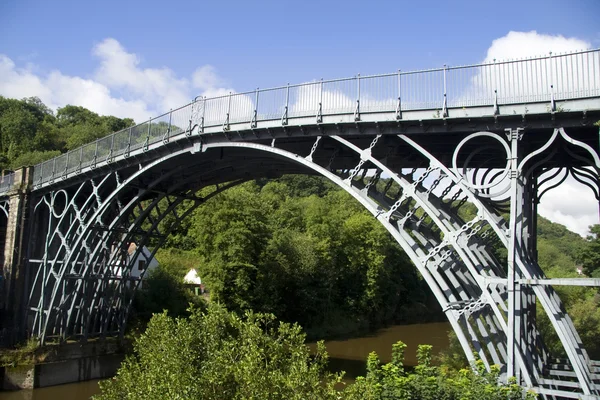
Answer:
(495, 84)
(399, 105)
(320, 108)
(357, 110)
(112, 148)
(226, 123)
(66, 164)
(253, 121)
(147, 142)
(167, 134)
(284, 117)
(445, 105)
(42, 172)
(201, 129)
(551, 80)
(128, 149)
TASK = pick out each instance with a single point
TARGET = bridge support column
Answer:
(13, 276)
(515, 224)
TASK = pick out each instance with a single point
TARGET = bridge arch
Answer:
(90, 228)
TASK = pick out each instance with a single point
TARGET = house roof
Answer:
(132, 248)
(192, 277)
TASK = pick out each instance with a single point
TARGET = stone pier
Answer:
(12, 282)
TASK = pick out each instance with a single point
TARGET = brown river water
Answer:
(348, 355)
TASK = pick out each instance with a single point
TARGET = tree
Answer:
(163, 292)
(32, 158)
(217, 355)
(590, 254)
(30, 133)
(79, 126)
(18, 125)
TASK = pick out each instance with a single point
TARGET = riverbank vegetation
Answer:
(27, 353)
(216, 354)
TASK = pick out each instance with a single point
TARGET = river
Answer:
(349, 355)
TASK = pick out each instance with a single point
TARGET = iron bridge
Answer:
(413, 148)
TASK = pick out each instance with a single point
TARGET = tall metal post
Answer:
(445, 105)
(515, 229)
(357, 110)
(253, 122)
(284, 117)
(399, 105)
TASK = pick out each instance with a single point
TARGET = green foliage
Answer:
(590, 253)
(428, 382)
(177, 262)
(30, 133)
(79, 125)
(559, 237)
(217, 355)
(19, 124)
(32, 158)
(559, 252)
(320, 260)
(453, 358)
(163, 291)
(27, 353)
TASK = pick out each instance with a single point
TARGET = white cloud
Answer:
(119, 85)
(528, 44)
(205, 78)
(571, 204)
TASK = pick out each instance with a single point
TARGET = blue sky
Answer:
(139, 58)
(267, 43)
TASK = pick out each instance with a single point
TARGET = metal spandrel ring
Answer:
(462, 174)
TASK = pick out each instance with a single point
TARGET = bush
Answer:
(428, 382)
(215, 354)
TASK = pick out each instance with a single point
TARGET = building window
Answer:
(141, 265)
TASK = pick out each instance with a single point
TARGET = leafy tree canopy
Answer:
(216, 354)
(31, 133)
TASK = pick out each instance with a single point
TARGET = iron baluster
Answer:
(168, 132)
(128, 148)
(399, 105)
(253, 122)
(357, 109)
(445, 105)
(284, 117)
(226, 123)
(320, 107)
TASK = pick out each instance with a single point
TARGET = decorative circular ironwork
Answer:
(54, 206)
(460, 172)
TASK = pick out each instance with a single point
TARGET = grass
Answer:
(27, 353)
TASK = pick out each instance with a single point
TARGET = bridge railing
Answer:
(6, 182)
(539, 79)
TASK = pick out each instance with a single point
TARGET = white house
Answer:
(143, 263)
(192, 278)
(193, 281)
